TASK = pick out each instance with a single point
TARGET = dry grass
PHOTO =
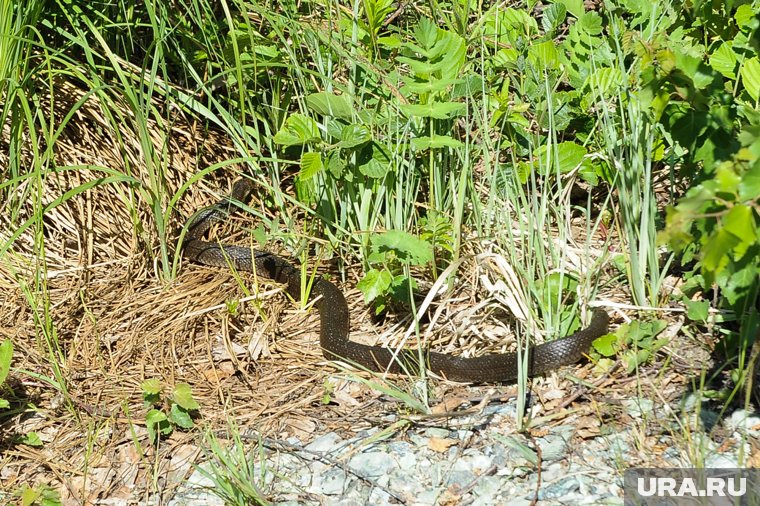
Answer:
(118, 323)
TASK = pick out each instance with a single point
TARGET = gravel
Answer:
(485, 464)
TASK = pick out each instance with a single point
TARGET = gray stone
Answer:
(325, 443)
(372, 464)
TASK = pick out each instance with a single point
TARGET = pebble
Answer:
(487, 465)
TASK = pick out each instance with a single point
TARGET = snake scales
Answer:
(334, 315)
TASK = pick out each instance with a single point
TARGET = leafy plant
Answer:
(636, 343)
(393, 253)
(41, 495)
(177, 410)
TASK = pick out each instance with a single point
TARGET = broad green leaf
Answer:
(553, 17)
(31, 439)
(151, 386)
(723, 60)
(544, 55)
(744, 14)
(715, 251)
(521, 20)
(570, 155)
(4, 404)
(390, 42)
(726, 177)
(311, 165)
(402, 288)
(697, 310)
(334, 127)
(556, 285)
(408, 248)
(633, 358)
(180, 417)
(335, 164)
(298, 130)
(749, 188)
(606, 345)
(740, 222)
(750, 73)
(640, 332)
(375, 161)
(156, 422)
(591, 23)
(6, 355)
(329, 104)
(375, 284)
(435, 142)
(574, 7)
(589, 173)
(183, 396)
(354, 135)
(374, 168)
(437, 110)
(29, 495)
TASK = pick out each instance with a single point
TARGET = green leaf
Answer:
(183, 396)
(750, 73)
(180, 417)
(29, 495)
(374, 161)
(311, 165)
(606, 345)
(744, 14)
(6, 355)
(156, 422)
(408, 248)
(640, 332)
(31, 439)
(426, 33)
(335, 164)
(544, 55)
(591, 23)
(715, 251)
(723, 60)
(298, 130)
(390, 42)
(4, 404)
(329, 104)
(437, 110)
(151, 386)
(697, 310)
(435, 142)
(431, 85)
(553, 17)
(749, 188)
(605, 81)
(556, 285)
(633, 358)
(574, 7)
(570, 155)
(740, 222)
(354, 135)
(375, 284)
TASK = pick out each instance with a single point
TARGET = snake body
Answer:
(334, 314)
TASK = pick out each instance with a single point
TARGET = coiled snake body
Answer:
(334, 316)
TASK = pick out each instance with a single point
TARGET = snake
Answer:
(334, 314)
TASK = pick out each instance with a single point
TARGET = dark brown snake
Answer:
(334, 316)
